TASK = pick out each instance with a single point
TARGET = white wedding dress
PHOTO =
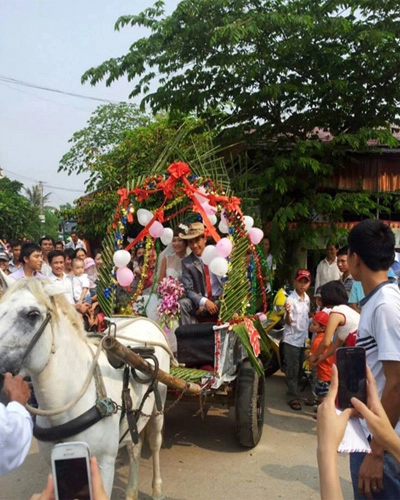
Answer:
(174, 270)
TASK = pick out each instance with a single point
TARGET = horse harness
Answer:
(131, 414)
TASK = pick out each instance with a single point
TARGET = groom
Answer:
(203, 288)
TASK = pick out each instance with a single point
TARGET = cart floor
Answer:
(189, 374)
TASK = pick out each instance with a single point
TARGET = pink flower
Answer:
(170, 290)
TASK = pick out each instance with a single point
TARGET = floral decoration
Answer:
(170, 290)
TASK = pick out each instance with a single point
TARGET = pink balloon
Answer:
(208, 209)
(124, 276)
(156, 229)
(224, 247)
(255, 235)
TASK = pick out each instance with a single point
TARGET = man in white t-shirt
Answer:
(57, 275)
(371, 253)
(327, 269)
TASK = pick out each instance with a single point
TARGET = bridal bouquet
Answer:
(170, 290)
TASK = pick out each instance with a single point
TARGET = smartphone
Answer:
(70, 464)
(351, 365)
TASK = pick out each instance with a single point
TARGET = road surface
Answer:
(201, 459)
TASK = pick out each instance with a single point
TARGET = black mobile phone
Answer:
(71, 471)
(351, 365)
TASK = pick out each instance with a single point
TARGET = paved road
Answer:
(201, 460)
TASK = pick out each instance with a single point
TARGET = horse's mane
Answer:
(52, 300)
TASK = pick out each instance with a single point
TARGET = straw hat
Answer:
(194, 230)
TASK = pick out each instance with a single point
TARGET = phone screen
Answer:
(72, 479)
(351, 363)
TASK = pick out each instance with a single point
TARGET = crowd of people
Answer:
(357, 302)
(68, 265)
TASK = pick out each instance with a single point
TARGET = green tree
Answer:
(17, 217)
(133, 144)
(273, 66)
(35, 198)
(273, 72)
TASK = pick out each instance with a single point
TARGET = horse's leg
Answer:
(154, 432)
(107, 469)
(134, 452)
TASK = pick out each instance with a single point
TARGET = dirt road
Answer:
(201, 459)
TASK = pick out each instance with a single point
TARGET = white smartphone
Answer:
(70, 463)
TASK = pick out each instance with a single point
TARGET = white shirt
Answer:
(379, 332)
(351, 321)
(326, 272)
(15, 436)
(78, 284)
(296, 333)
(79, 244)
(66, 284)
(46, 269)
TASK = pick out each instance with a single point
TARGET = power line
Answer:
(14, 81)
(47, 185)
(43, 98)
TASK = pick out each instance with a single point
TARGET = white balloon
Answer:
(212, 218)
(121, 258)
(223, 227)
(209, 253)
(144, 216)
(219, 266)
(248, 222)
(167, 235)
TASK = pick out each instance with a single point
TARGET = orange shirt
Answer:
(324, 369)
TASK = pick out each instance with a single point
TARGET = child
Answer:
(324, 369)
(91, 270)
(80, 282)
(295, 334)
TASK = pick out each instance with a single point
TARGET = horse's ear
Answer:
(5, 281)
(53, 289)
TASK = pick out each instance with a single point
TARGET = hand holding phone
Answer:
(351, 365)
(71, 471)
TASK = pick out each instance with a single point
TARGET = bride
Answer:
(170, 265)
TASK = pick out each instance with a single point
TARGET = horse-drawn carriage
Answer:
(81, 395)
(222, 357)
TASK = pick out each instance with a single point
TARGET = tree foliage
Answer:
(280, 67)
(35, 197)
(17, 217)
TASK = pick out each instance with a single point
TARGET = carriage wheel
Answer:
(249, 405)
(271, 364)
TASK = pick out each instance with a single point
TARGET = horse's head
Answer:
(23, 310)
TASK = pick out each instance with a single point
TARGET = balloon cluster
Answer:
(156, 230)
(121, 259)
(214, 256)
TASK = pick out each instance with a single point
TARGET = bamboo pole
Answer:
(123, 353)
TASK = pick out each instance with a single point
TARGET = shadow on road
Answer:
(304, 474)
(184, 427)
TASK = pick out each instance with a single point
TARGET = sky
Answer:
(51, 43)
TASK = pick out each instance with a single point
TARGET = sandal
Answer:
(311, 402)
(295, 404)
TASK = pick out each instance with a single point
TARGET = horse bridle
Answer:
(32, 343)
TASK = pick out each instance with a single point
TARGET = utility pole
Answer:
(41, 215)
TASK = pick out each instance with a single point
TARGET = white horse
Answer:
(59, 364)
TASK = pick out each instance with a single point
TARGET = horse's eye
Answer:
(33, 315)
